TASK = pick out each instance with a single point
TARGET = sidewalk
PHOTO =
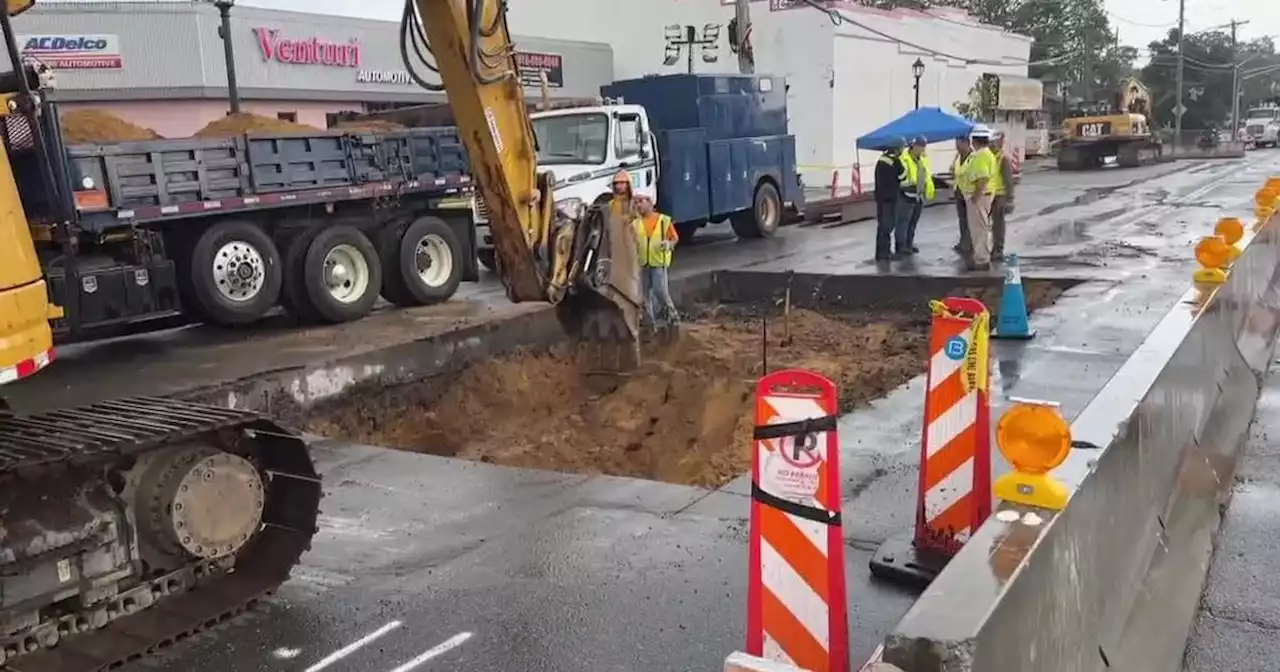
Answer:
(1238, 627)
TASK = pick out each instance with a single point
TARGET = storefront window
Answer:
(572, 138)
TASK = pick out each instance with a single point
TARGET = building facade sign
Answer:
(74, 51)
(308, 50)
(532, 64)
(384, 77)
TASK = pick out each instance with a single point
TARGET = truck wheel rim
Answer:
(768, 213)
(239, 271)
(433, 260)
(346, 274)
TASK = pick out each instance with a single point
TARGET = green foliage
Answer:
(980, 105)
(1208, 75)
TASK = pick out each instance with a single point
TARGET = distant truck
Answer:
(709, 148)
(154, 234)
(1262, 126)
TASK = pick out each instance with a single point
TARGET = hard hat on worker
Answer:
(622, 177)
(898, 144)
(980, 133)
(919, 141)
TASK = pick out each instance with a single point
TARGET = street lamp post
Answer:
(917, 70)
(228, 52)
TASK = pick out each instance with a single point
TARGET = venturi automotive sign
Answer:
(68, 51)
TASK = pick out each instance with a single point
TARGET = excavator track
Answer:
(129, 525)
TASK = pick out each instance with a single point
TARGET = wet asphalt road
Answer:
(432, 563)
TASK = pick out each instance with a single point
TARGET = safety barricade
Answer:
(955, 449)
(796, 612)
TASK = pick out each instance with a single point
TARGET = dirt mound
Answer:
(244, 122)
(97, 126)
(369, 126)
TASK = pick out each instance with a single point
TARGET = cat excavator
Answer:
(131, 524)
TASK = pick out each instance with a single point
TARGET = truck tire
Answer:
(234, 273)
(341, 274)
(421, 262)
(687, 231)
(765, 216)
(293, 296)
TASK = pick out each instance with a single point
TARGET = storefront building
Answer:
(161, 64)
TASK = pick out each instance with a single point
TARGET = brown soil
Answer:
(369, 126)
(96, 126)
(244, 122)
(684, 417)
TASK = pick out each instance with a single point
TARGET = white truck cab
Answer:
(583, 148)
(1262, 126)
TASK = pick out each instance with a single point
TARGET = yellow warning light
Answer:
(1266, 196)
(1231, 230)
(1214, 254)
(1035, 438)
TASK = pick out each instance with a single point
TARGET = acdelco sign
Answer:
(307, 50)
(71, 51)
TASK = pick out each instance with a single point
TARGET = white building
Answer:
(845, 80)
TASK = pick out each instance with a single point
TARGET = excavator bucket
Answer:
(602, 308)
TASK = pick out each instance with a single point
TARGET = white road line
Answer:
(435, 651)
(353, 647)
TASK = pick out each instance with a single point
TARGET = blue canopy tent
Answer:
(932, 123)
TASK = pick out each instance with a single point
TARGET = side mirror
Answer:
(644, 153)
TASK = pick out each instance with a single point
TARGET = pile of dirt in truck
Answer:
(685, 416)
(245, 122)
(90, 126)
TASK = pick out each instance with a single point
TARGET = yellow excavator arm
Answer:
(580, 259)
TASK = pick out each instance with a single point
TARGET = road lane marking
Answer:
(353, 647)
(435, 651)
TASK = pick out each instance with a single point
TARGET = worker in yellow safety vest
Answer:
(656, 236)
(916, 189)
(621, 203)
(890, 180)
(964, 149)
(1002, 196)
(981, 171)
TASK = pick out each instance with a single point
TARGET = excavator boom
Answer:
(580, 259)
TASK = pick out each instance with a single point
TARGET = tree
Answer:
(1207, 76)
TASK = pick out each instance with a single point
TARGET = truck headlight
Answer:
(571, 208)
(87, 182)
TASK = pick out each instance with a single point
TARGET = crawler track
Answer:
(148, 608)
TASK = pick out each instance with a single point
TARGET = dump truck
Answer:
(138, 236)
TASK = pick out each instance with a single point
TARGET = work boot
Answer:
(915, 250)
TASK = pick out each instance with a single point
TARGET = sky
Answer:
(1141, 22)
(1138, 21)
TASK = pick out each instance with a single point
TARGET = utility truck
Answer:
(707, 148)
(1262, 126)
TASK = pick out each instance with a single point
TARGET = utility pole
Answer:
(1178, 108)
(1235, 80)
(742, 16)
(1086, 72)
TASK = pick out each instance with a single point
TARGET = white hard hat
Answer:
(980, 132)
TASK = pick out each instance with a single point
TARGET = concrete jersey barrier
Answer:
(1113, 582)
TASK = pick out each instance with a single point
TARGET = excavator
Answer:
(131, 524)
(1120, 127)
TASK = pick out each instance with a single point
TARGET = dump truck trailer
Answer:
(154, 234)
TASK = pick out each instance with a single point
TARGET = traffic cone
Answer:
(1013, 323)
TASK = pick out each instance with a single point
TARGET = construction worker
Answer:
(980, 172)
(891, 176)
(964, 149)
(623, 194)
(657, 238)
(918, 190)
(1002, 192)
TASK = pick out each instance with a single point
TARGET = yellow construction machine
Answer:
(577, 257)
(130, 524)
(1119, 127)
